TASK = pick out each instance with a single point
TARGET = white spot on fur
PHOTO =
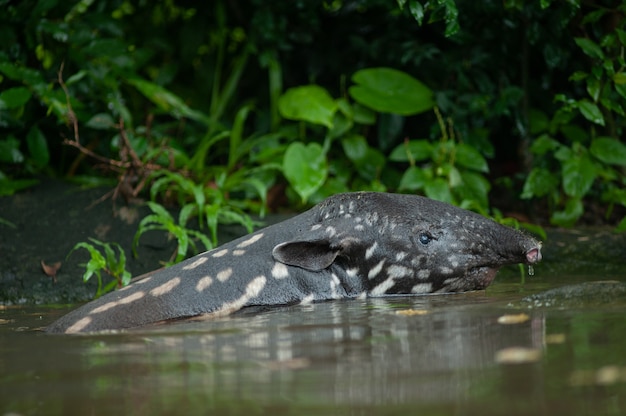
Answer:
(220, 253)
(370, 250)
(382, 288)
(352, 272)
(252, 289)
(128, 299)
(376, 269)
(316, 227)
(445, 270)
(307, 300)
(454, 261)
(203, 283)
(79, 325)
(396, 271)
(334, 284)
(362, 295)
(225, 274)
(250, 240)
(280, 271)
(165, 287)
(422, 288)
(199, 261)
(239, 252)
(423, 274)
(358, 219)
(331, 231)
(359, 227)
(400, 256)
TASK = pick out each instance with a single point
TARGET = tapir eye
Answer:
(425, 238)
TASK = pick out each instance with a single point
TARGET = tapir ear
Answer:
(310, 255)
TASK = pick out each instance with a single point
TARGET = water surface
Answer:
(405, 355)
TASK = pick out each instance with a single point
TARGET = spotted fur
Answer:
(351, 245)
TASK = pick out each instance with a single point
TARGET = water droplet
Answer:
(531, 270)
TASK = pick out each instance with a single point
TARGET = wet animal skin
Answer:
(349, 246)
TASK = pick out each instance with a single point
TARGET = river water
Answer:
(465, 354)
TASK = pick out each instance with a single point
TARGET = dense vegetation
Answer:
(232, 107)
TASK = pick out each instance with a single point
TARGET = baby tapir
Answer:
(350, 245)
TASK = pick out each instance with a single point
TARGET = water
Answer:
(430, 355)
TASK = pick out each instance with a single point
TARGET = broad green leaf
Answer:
(413, 179)
(476, 186)
(619, 78)
(305, 168)
(590, 48)
(388, 90)
(101, 121)
(609, 150)
(568, 217)
(355, 147)
(578, 174)
(438, 189)
(10, 150)
(14, 97)
(470, 158)
(167, 101)
(415, 150)
(417, 11)
(310, 103)
(543, 144)
(591, 111)
(38, 147)
(540, 182)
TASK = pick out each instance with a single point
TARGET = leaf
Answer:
(619, 78)
(568, 217)
(609, 150)
(417, 11)
(415, 150)
(578, 174)
(305, 168)
(590, 48)
(591, 111)
(355, 147)
(476, 187)
(413, 179)
(470, 158)
(101, 121)
(310, 103)
(10, 150)
(38, 147)
(388, 90)
(14, 97)
(167, 101)
(438, 189)
(540, 182)
(543, 144)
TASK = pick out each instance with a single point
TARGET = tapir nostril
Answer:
(533, 255)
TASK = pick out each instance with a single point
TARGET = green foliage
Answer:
(110, 263)
(162, 220)
(578, 152)
(449, 171)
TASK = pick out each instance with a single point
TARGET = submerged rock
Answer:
(583, 294)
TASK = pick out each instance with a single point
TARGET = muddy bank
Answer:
(49, 219)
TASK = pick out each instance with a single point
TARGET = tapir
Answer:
(351, 245)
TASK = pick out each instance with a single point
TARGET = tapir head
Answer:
(397, 244)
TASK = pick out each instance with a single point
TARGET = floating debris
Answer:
(518, 355)
(412, 312)
(513, 319)
(555, 338)
(604, 376)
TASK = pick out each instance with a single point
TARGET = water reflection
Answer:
(351, 357)
(345, 352)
